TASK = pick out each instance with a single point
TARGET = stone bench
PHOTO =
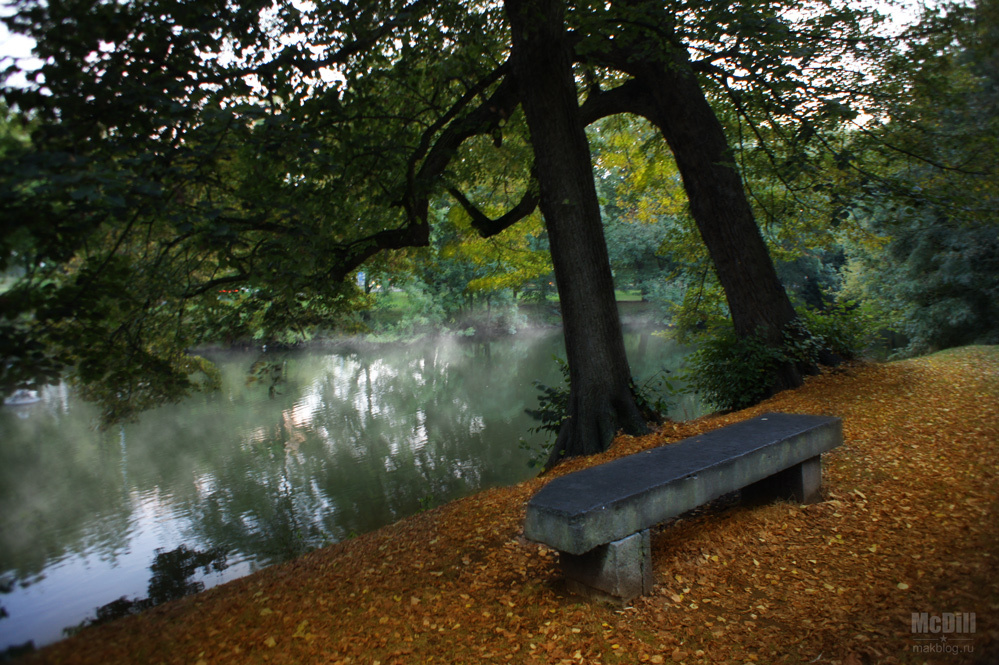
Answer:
(599, 518)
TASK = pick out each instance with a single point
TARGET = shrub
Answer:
(653, 396)
(553, 403)
(846, 329)
(732, 373)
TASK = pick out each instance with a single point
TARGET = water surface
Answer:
(297, 450)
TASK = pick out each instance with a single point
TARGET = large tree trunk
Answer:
(757, 300)
(667, 92)
(600, 397)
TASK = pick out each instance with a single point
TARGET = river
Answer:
(298, 449)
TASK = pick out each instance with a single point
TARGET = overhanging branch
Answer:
(489, 227)
(352, 255)
(629, 97)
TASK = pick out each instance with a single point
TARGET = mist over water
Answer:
(298, 450)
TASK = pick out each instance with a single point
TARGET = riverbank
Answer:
(910, 524)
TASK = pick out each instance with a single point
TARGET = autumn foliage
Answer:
(909, 524)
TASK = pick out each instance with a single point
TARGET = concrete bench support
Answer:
(621, 569)
(802, 483)
(599, 518)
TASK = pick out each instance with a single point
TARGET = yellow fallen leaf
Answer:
(300, 630)
(270, 642)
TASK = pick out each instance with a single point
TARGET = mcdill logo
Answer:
(949, 632)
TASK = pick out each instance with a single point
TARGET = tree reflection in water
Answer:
(170, 581)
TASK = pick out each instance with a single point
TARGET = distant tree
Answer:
(928, 204)
(641, 196)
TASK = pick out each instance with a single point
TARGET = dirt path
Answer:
(910, 524)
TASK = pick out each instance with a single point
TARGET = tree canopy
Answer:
(192, 163)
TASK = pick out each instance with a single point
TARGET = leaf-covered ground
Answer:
(909, 524)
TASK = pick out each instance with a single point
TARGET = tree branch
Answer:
(629, 97)
(489, 227)
(352, 255)
(479, 88)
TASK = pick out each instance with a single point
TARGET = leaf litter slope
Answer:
(909, 524)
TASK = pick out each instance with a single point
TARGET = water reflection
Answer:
(296, 450)
(171, 580)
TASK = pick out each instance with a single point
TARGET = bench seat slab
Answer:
(606, 503)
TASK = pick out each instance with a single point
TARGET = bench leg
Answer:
(615, 572)
(801, 483)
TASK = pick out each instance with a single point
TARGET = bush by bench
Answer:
(599, 518)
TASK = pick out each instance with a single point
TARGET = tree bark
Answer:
(666, 91)
(600, 397)
(756, 298)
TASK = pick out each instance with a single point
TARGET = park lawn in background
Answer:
(399, 300)
(628, 295)
(909, 524)
(621, 295)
